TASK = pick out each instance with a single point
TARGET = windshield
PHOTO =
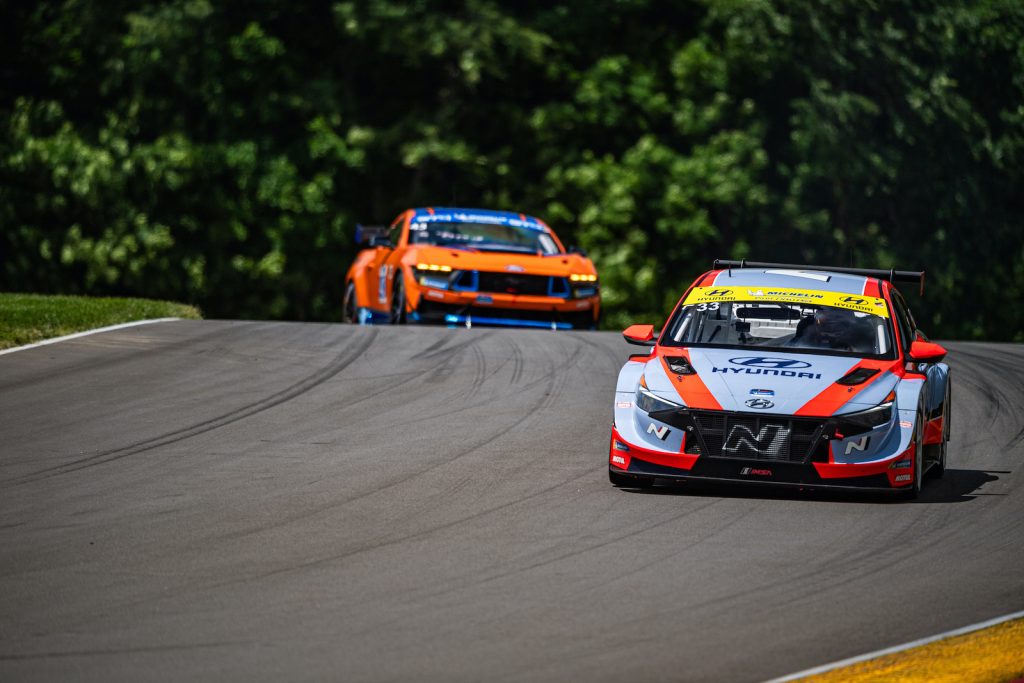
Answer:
(785, 326)
(483, 236)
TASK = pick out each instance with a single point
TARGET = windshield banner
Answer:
(853, 302)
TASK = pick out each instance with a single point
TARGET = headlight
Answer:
(577, 277)
(433, 267)
(649, 403)
(854, 423)
(433, 275)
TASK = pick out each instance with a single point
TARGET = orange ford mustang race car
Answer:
(470, 267)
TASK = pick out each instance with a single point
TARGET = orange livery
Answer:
(470, 267)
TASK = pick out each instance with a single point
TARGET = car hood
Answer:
(500, 261)
(770, 382)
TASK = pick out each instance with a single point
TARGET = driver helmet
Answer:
(834, 324)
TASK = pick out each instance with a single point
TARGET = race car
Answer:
(808, 376)
(470, 267)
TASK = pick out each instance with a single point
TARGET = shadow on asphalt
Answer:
(956, 486)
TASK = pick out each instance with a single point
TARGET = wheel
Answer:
(348, 304)
(915, 490)
(398, 316)
(629, 481)
(939, 468)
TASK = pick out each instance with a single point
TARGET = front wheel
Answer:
(348, 304)
(915, 490)
(947, 412)
(398, 316)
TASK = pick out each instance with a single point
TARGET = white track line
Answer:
(898, 648)
(88, 332)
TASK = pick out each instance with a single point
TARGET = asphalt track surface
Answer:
(274, 501)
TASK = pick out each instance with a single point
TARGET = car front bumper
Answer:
(883, 475)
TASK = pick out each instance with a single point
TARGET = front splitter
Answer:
(759, 473)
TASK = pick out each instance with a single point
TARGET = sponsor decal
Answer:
(624, 404)
(618, 460)
(762, 392)
(759, 403)
(619, 446)
(661, 432)
(756, 471)
(902, 477)
(901, 464)
(513, 268)
(864, 304)
(763, 365)
(768, 371)
(905, 424)
(769, 438)
(484, 299)
(434, 294)
(763, 362)
(860, 444)
(464, 217)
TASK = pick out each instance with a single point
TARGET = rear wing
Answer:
(892, 275)
(367, 233)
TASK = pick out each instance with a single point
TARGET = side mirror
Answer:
(380, 241)
(926, 352)
(578, 250)
(641, 335)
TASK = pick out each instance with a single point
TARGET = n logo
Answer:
(660, 432)
(858, 445)
(771, 438)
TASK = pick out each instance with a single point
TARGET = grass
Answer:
(27, 318)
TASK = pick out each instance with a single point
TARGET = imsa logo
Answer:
(756, 471)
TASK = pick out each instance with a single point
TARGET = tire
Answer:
(939, 468)
(398, 315)
(629, 481)
(348, 304)
(914, 491)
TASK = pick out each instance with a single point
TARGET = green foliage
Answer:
(221, 153)
(27, 318)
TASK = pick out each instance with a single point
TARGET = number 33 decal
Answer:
(713, 306)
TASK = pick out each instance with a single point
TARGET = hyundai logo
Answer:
(759, 403)
(777, 363)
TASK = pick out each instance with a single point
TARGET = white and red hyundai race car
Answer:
(806, 376)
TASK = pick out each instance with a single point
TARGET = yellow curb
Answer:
(992, 654)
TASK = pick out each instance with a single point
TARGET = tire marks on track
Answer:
(340, 362)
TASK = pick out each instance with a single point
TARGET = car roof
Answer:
(467, 215)
(790, 279)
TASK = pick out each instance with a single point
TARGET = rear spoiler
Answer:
(892, 275)
(366, 233)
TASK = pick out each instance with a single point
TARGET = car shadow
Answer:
(955, 486)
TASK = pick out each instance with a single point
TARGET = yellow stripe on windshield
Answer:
(853, 302)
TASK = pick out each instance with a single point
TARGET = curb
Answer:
(76, 335)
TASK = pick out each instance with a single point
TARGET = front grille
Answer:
(754, 437)
(515, 283)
